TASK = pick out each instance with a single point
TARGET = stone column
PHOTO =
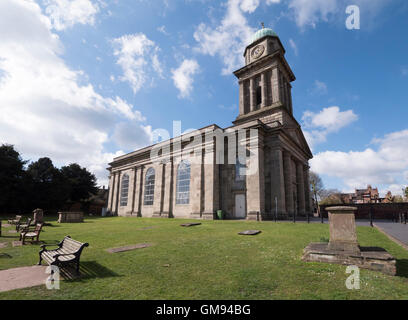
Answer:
(308, 205)
(210, 180)
(158, 190)
(278, 181)
(288, 172)
(241, 98)
(264, 90)
(255, 179)
(300, 182)
(276, 96)
(252, 92)
(168, 190)
(195, 186)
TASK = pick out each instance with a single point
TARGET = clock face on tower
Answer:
(257, 51)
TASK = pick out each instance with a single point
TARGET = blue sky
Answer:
(86, 80)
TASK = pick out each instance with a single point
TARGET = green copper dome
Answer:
(262, 33)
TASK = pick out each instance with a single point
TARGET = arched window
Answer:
(240, 170)
(183, 183)
(124, 191)
(149, 187)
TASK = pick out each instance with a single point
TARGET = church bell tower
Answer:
(265, 80)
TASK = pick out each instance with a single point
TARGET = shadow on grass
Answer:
(5, 255)
(88, 270)
(402, 268)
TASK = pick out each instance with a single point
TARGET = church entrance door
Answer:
(240, 211)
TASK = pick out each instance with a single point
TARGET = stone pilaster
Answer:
(278, 181)
(241, 98)
(276, 96)
(168, 190)
(255, 180)
(116, 194)
(300, 182)
(288, 173)
(252, 93)
(111, 187)
(308, 205)
(196, 174)
(158, 190)
(132, 189)
(210, 180)
(264, 90)
(138, 193)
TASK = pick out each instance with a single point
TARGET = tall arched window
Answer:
(124, 191)
(149, 187)
(183, 183)
(240, 170)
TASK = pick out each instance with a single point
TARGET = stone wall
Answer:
(379, 210)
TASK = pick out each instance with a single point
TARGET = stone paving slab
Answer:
(24, 277)
(12, 231)
(3, 245)
(129, 248)
(17, 243)
(250, 232)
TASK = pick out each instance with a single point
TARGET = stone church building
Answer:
(194, 180)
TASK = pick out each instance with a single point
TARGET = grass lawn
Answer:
(209, 261)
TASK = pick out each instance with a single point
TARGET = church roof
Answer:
(263, 33)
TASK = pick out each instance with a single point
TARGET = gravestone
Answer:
(343, 246)
(70, 217)
(249, 232)
(38, 216)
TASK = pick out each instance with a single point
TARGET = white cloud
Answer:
(162, 29)
(294, 46)
(309, 12)
(138, 58)
(66, 13)
(329, 120)
(319, 88)
(183, 77)
(229, 39)
(384, 166)
(48, 109)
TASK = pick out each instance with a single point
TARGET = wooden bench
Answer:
(68, 252)
(31, 233)
(15, 221)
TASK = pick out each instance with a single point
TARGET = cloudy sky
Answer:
(87, 80)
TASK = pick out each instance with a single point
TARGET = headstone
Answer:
(38, 216)
(70, 217)
(129, 248)
(190, 224)
(17, 243)
(250, 232)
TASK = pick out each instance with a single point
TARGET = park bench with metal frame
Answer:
(20, 226)
(68, 252)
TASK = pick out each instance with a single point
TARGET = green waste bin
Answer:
(220, 214)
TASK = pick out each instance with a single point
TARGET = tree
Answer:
(49, 189)
(316, 186)
(331, 196)
(406, 192)
(11, 178)
(82, 183)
